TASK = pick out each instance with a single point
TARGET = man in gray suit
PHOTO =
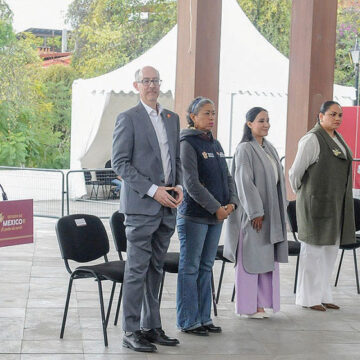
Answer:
(146, 154)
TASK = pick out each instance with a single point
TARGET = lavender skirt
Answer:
(255, 290)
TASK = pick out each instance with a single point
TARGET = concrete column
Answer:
(311, 73)
(198, 54)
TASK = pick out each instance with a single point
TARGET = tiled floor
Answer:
(33, 284)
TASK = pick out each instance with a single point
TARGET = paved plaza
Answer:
(33, 285)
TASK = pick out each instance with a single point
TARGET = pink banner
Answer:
(16, 222)
(350, 130)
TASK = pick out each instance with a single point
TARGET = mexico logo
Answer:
(16, 222)
(12, 220)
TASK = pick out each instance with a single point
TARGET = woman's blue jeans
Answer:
(198, 246)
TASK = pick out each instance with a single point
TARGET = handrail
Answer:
(63, 192)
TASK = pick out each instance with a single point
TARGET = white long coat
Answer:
(259, 195)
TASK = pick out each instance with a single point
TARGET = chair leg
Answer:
(103, 320)
(109, 192)
(338, 272)
(161, 287)
(103, 191)
(356, 272)
(220, 281)
(92, 190)
(118, 307)
(110, 303)
(66, 308)
(296, 273)
(233, 294)
(213, 292)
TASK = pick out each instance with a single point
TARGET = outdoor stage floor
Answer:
(33, 285)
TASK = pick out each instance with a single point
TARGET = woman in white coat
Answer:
(255, 234)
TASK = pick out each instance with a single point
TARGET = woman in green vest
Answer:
(321, 178)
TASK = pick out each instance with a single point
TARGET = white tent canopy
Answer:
(252, 73)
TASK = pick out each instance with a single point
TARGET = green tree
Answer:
(6, 33)
(34, 121)
(110, 33)
(78, 12)
(57, 82)
(348, 28)
(272, 19)
(18, 60)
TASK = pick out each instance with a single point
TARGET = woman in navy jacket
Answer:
(209, 197)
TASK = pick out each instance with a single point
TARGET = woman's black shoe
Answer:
(200, 331)
(212, 328)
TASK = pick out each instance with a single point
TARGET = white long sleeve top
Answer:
(307, 154)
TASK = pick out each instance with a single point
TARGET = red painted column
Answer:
(198, 53)
(311, 73)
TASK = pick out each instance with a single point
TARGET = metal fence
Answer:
(63, 192)
(45, 186)
(90, 191)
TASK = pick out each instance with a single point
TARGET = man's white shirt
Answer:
(162, 138)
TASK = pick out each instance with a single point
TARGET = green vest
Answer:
(324, 203)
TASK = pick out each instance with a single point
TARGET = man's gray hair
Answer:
(138, 74)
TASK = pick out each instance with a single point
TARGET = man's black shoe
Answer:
(200, 331)
(212, 328)
(158, 336)
(137, 342)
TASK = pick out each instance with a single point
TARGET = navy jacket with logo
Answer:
(213, 174)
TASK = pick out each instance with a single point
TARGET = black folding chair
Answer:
(93, 183)
(102, 181)
(83, 238)
(108, 176)
(220, 256)
(171, 265)
(118, 232)
(294, 250)
(171, 262)
(352, 247)
(294, 246)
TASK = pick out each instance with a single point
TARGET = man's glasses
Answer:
(147, 82)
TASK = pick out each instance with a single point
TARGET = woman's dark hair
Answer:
(325, 107)
(250, 116)
(195, 107)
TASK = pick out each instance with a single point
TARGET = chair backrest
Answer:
(105, 176)
(101, 175)
(118, 231)
(357, 214)
(87, 177)
(82, 237)
(291, 212)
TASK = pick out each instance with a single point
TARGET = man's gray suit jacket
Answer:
(136, 158)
